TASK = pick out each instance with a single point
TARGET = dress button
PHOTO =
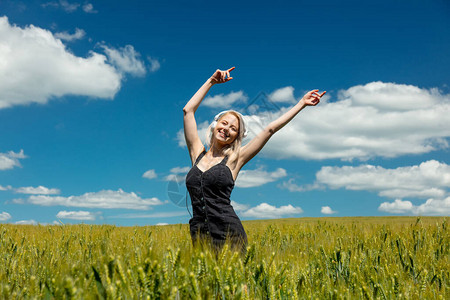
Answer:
(203, 207)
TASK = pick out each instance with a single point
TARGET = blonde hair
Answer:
(231, 150)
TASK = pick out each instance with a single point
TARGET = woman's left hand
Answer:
(312, 98)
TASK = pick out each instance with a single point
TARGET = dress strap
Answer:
(224, 160)
(200, 156)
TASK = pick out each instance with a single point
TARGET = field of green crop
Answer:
(321, 258)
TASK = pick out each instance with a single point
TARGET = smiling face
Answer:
(227, 129)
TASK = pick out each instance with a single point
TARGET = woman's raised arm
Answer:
(248, 151)
(193, 141)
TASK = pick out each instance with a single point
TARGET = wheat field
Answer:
(306, 258)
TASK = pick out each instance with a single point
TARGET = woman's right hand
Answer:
(221, 76)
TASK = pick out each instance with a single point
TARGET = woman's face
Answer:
(227, 129)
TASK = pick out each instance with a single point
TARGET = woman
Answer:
(211, 179)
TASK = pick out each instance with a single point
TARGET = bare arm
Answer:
(248, 151)
(193, 141)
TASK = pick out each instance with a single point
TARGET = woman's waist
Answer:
(209, 210)
(216, 202)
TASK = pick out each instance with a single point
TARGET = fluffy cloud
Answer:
(5, 188)
(430, 207)
(89, 8)
(4, 216)
(326, 210)
(391, 96)
(201, 129)
(26, 222)
(67, 6)
(267, 211)
(373, 120)
(64, 4)
(152, 215)
(178, 170)
(126, 60)
(429, 179)
(239, 206)
(292, 187)
(70, 7)
(257, 177)
(285, 94)
(40, 190)
(65, 36)
(224, 101)
(150, 174)
(76, 215)
(177, 174)
(155, 65)
(35, 67)
(10, 159)
(102, 199)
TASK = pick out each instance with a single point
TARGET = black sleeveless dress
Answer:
(214, 219)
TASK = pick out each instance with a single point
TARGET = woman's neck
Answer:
(216, 150)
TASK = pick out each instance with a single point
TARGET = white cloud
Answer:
(4, 216)
(224, 101)
(239, 206)
(201, 129)
(10, 159)
(178, 170)
(268, 211)
(126, 60)
(257, 177)
(5, 188)
(373, 120)
(150, 174)
(398, 120)
(26, 222)
(102, 199)
(391, 96)
(155, 65)
(396, 207)
(429, 179)
(65, 36)
(89, 8)
(76, 215)
(292, 187)
(178, 174)
(162, 224)
(285, 94)
(68, 7)
(152, 215)
(64, 4)
(327, 210)
(175, 177)
(36, 67)
(431, 207)
(40, 190)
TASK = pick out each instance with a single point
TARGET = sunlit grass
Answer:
(323, 258)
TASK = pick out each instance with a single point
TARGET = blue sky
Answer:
(91, 98)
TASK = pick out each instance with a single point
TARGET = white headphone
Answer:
(217, 117)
